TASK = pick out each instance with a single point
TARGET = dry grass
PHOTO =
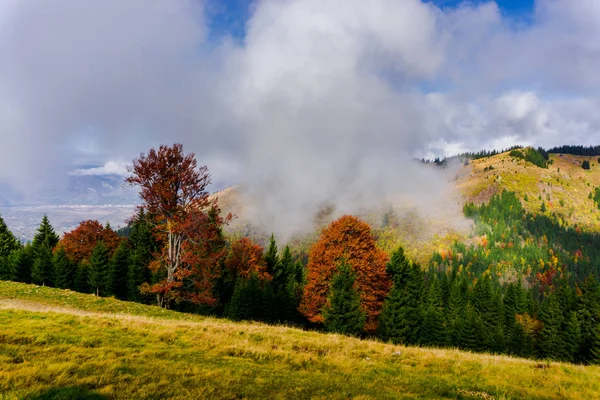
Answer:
(56, 342)
(564, 186)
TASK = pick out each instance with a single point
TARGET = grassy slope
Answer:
(563, 180)
(51, 340)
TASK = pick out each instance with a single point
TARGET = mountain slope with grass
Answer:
(563, 187)
(57, 343)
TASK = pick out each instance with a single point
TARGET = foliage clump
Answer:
(537, 157)
(347, 239)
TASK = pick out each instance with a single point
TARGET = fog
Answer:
(319, 103)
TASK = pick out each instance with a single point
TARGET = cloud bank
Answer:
(320, 101)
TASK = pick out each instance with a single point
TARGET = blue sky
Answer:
(228, 17)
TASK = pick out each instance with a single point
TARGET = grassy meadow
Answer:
(564, 186)
(65, 345)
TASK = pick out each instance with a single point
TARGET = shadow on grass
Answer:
(68, 393)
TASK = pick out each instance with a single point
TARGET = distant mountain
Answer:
(86, 197)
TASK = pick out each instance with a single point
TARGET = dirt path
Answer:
(7, 304)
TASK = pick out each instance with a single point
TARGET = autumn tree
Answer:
(350, 239)
(80, 242)
(246, 258)
(173, 191)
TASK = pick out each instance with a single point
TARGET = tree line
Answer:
(526, 285)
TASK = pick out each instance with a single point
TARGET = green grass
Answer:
(60, 344)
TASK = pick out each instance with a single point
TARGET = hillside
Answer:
(564, 186)
(61, 343)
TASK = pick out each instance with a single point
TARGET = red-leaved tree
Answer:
(80, 242)
(246, 258)
(346, 238)
(186, 221)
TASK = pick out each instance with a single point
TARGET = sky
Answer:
(300, 101)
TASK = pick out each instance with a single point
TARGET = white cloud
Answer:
(321, 100)
(110, 168)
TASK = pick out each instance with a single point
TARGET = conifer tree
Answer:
(272, 258)
(20, 262)
(98, 269)
(118, 269)
(8, 242)
(571, 337)
(276, 297)
(343, 312)
(65, 270)
(247, 300)
(510, 302)
(550, 343)
(594, 357)
(471, 333)
(81, 277)
(589, 317)
(487, 308)
(433, 330)
(401, 316)
(45, 235)
(457, 310)
(6, 273)
(42, 272)
(143, 246)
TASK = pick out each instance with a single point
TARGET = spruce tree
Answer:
(6, 273)
(98, 269)
(343, 312)
(247, 300)
(143, 245)
(457, 310)
(433, 330)
(471, 331)
(487, 307)
(45, 235)
(272, 259)
(571, 337)
(118, 270)
(550, 342)
(401, 315)
(589, 317)
(81, 278)
(20, 262)
(65, 270)
(594, 351)
(42, 272)
(510, 302)
(8, 242)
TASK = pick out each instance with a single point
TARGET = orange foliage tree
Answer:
(80, 242)
(246, 258)
(186, 221)
(346, 238)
